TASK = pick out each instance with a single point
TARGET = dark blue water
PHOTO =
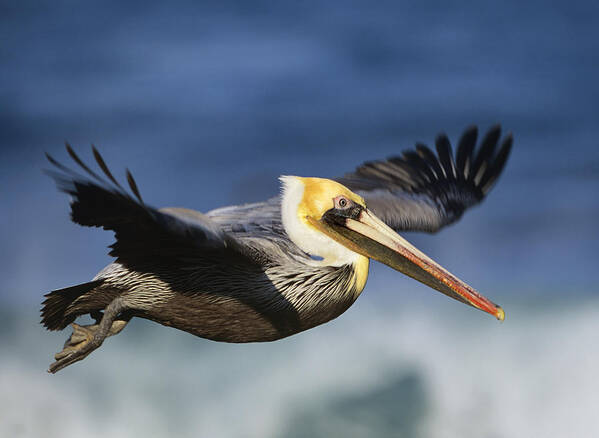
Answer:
(207, 103)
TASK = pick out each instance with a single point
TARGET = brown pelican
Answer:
(261, 272)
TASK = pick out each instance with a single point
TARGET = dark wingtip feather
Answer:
(483, 157)
(104, 167)
(133, 186)
(470, 135)
(465, 148)
(498, 163)
(495, 129)
(68, 179)
(445, 154)
(56, 164)
(417, 162)
(78, 160)
(431, 159)
(52, 161)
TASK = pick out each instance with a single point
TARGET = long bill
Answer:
(371, 237)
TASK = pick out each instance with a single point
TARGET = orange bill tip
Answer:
(500, 314)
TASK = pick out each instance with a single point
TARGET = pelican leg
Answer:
(86, 338)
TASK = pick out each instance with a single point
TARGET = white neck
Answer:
(307, 238)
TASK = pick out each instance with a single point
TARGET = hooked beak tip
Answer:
(500, 314)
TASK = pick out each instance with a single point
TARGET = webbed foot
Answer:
(76, 348)
(83, 340)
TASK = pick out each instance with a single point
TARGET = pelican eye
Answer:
(342, 202)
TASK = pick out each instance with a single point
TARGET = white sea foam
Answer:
(533, 375)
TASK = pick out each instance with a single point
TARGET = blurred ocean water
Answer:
(207, 103)
(405, 371)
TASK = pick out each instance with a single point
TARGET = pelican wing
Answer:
(144, 235)
(424, 191)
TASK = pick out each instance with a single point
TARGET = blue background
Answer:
(207, 103)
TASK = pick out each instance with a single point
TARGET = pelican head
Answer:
(326, 219)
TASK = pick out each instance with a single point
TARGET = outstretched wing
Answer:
(145, 236)
(189, 251)
(424, 191)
